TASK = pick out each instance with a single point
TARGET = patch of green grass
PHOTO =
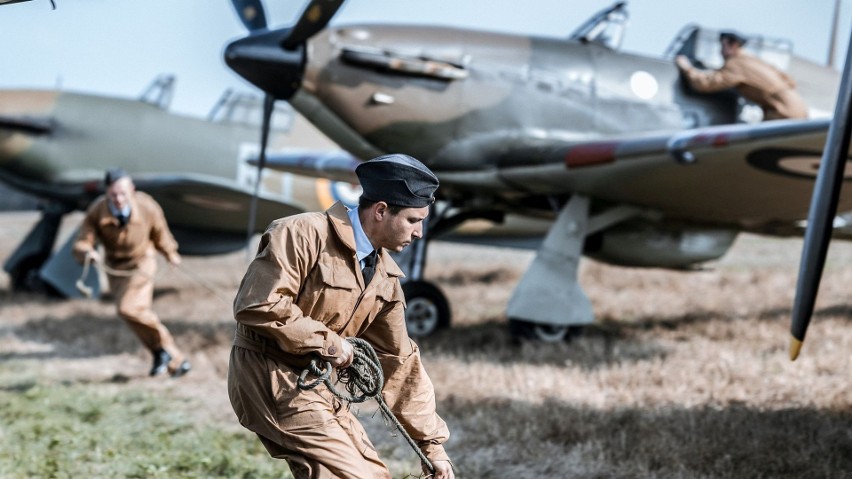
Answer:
(78, 430)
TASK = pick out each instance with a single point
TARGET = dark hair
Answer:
(114, 174)
(364, 203)
(733, 37)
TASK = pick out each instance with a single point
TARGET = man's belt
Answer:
(247, 339)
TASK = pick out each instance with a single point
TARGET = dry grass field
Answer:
(684, 375)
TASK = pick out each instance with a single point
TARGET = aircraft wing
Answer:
(208, 215)
(750, 175)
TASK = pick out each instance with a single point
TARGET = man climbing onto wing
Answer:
(754, 79)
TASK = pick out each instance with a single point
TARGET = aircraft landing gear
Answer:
(428, 309)
(24, 276)
(549, 303)
(546, 333)
(26, 261)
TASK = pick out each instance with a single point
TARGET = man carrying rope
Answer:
(317, 279)
(131, 226)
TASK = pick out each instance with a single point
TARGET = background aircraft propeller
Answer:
(822, 211)
(251, 13)
(315, 17)
(274, 61)
(268, 106)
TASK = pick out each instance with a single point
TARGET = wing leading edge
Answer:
(211, 205)
(750, 175)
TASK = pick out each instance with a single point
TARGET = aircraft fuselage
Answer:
(387, 85)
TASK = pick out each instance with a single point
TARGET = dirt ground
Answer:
(667, 346)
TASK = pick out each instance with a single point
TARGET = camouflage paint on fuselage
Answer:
(515, 86)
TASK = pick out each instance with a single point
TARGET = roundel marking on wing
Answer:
(330, 192)
(644, 85)
(791, 162)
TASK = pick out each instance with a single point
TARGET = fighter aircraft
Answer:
(56, 145)
(612, 150)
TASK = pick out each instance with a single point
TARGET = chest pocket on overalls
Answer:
(388, 293)
(338, 294)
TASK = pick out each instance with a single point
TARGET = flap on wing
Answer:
(335, 165)
(212, 204)
(743, 174)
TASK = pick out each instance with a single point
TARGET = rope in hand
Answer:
(87, 291)
(363, 380)
(81, 282)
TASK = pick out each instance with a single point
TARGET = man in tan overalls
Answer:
(757, 81)
(131, 226)
(303, 294)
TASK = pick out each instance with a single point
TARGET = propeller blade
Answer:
(315, 17)
(822, 211)
(260, 59)
(268, 104)
(251, 13)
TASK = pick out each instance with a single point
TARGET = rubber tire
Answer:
(546, 333)
(427, 309)
(25, 278)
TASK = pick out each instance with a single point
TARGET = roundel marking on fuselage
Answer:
(330, 192)
(644, 85)
(791, 162)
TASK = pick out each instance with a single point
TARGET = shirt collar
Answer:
(363, 247)
(116, 212)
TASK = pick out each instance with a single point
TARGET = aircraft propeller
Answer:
(822, 210)
(251, 13)
(274, 61)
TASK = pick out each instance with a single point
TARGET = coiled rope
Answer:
(363, 380)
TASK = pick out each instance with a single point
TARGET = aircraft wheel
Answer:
(24, 277)
(427, 311)
(547, 333)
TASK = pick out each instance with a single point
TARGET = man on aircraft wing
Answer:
(317, 279)
(754, 79)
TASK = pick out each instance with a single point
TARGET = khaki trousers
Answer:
(134, 297)
(312, 430)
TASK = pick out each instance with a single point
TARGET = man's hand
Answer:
(443, 470)
(682, 62)
(174, 259)
(94, 256)
(347, 355)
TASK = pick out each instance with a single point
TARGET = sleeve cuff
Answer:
(435, 452)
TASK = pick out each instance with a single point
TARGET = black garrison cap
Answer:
(732, 37)
(398, 180)
(113, 175)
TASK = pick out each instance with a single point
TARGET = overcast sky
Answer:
(117, 47)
